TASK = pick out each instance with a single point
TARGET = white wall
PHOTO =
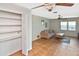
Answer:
(55, 25)
(26, 32)
(37, 26)
(8, 47)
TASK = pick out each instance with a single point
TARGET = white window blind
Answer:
(72, 25)
(10, 25)
(63, 25)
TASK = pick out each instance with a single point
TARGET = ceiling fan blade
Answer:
(65, 4)
(38, 6)
(55, 12)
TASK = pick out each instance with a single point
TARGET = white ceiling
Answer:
(65, 12)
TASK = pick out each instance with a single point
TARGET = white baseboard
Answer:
(34, 39)
(14, 52)
(28, 51)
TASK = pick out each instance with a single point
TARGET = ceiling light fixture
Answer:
(49, 6)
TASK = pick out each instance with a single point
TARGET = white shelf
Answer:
(10, 32)
(11, 18)
(9, 39)
(10, 25)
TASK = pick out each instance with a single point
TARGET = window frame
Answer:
(68, 25)
(75, 26)
(61, 26)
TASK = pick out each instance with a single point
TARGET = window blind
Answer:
(10, 25)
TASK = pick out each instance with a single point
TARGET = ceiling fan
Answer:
(50, 6)
(59, 17)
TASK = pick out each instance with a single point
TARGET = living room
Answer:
(54, 29)
(39, 29)
(62, 25)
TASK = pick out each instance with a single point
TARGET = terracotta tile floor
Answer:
(55, 47)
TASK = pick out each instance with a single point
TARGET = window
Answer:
(71, 25)
(63, 25)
